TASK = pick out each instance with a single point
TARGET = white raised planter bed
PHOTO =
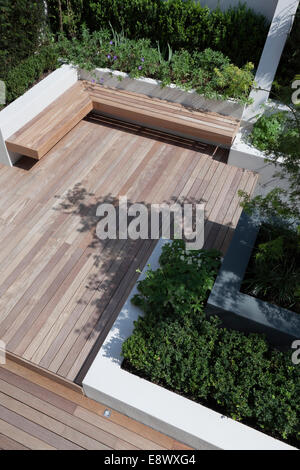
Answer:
(183, 419)
(153, 89)
(244, 155)
(25, 108)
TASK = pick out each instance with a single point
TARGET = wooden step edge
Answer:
(90, 88)
(17, 148)
(196, 116)
(44, 372)
(117, 107)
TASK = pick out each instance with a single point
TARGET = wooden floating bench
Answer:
(38, 136)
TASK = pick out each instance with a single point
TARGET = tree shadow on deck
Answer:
(114, 265)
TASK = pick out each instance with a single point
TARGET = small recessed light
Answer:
(106, 413)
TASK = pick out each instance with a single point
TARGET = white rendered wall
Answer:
(265, 7)
(29, 105)
(279, 30)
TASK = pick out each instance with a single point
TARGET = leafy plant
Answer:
(273, 273)
(25, 74)
(279, 136)
(182, 283)
(209, 72)
(22, 27)
(176, 346)
(267, 131)
(238, 32)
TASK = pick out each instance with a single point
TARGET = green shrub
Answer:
(25, 74)
(209, 72)
(278, 133)
(181, 284)
(22, 25)
(174, 345)
(238, 32)
(273, 273)
(267, 131)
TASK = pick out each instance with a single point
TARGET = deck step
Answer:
(40, 134)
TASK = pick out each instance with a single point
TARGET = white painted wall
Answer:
(279, 30)
(29, 105)
(265, 7)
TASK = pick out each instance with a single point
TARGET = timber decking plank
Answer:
(54, 309)
(82, 424)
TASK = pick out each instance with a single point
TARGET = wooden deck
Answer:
(40, 134)
(39, 414)
(61, 288)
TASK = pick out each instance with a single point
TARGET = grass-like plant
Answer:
(273, 273)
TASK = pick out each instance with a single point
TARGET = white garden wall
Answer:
(29, 105)
(241, 153)
(265, 7)
(279, 30)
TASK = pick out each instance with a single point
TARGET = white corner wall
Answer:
(278, 33)
(29, 105)
(265, 7)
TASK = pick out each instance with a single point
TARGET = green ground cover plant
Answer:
(176, 346)
(209, 72)
(273, 273)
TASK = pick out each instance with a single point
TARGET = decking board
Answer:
(36, 413)
(61, 288)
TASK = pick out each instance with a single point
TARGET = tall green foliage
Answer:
(22, 24)
(67, 15)
(21, 77)
(238, 32)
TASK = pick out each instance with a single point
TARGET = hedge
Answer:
(176, 346)
(239, 32)
(22, 25)
(25, 74)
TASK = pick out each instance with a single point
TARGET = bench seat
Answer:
(40, 134)
(172, 117)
